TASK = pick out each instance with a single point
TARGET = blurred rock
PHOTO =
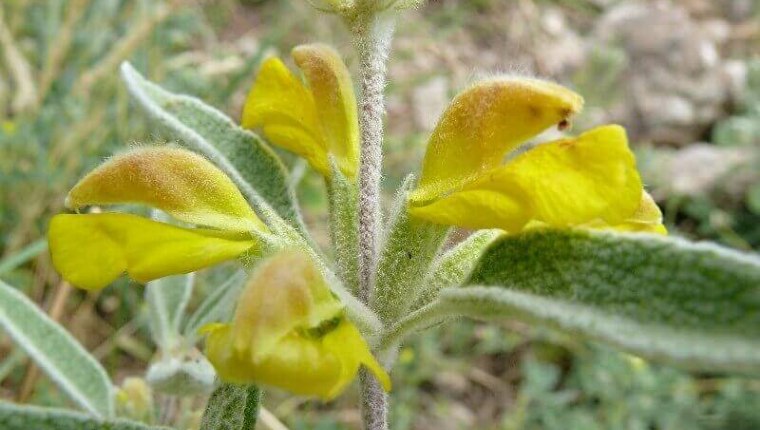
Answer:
(694, 170)
(429, 101)
(739, 10)
(699, 167)
(736, 73)
(734, 10)
(675, 86)
(559, 49)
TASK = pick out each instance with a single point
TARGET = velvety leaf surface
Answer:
(242, 155)
(167, 299)
(406, 253)
(691, 303)
(343, 199)
(454, 266)
(217, 306)
(232, 407)
(15, 417)
(56, 352)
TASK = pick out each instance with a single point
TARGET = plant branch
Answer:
(426, 316)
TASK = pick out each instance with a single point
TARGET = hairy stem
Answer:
(374, 402)
(372, 37)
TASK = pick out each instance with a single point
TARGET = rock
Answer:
(675, 86)
(698, 168)
(559, 49)
(739, 10)
(736, 73)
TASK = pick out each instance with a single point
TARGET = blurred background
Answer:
(682, 76)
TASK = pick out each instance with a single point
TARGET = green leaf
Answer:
(167, 299)
(232, 407)
(217, 307)
(15, 417)
(697, 305)
(56, 352)
(10, 362)
(27, 253)
(344, 227)
(454, 266)
(753, 199)
(181, 372)
(406, 253)
(243, 156)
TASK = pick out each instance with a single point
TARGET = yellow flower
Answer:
(588, 181)
(8, 127)
(290, 331)
(92, 250)
(316, 120)
(134, 399)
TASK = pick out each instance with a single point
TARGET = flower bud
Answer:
(408, 4)
(355, 7)
(181, 373)
(134, 399)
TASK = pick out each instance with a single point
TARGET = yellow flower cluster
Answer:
(289, 330)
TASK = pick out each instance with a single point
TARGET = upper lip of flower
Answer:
(318, 119)
(179, 182)
(483, 123)
(568, 182)
(91, 250)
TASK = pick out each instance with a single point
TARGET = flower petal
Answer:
(477, 209)
(286, 293)
(564, 183)
(646, 219)
(346, 342)
(306, 366)
(285, 109)
(333, 92)
(300, 365)
(485, 122)
(93, 250)
(290, 331)
(177, 181)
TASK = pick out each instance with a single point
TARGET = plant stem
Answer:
(373, 38)
(374, 402)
